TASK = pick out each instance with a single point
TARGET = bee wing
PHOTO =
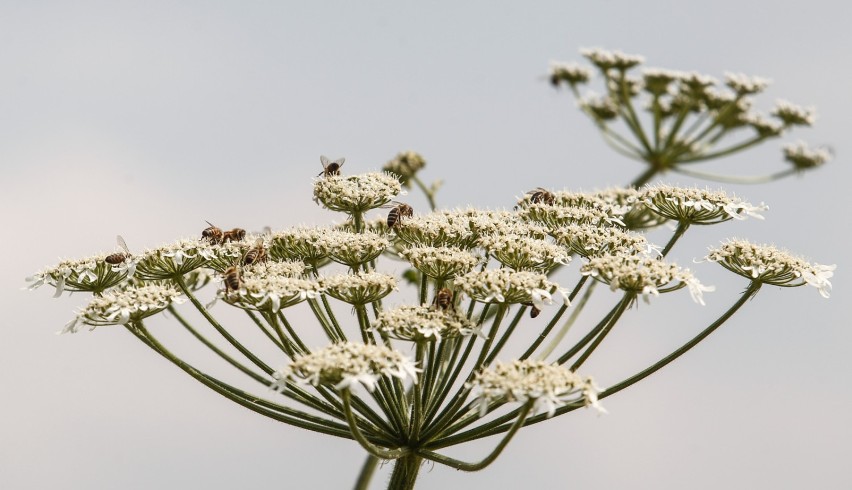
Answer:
(258, 242)
(340, 161)
(324, 160)
(209, 223)
(121, 243)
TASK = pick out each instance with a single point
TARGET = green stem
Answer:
(280, 413)
(725, 152)
(572, 318)
(359, 436)
(499, 425)
(460, 465)
(729, 179)
(405, 470)
(625, 303)
(428, 193)
(497, 348)
(592, 333)
(682, 226)
(366, 473)
(219, 352)
(219, 328)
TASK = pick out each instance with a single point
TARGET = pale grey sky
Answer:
(144, 119)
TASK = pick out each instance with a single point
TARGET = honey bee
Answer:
(256, 254)
(541, 195)
(234, 235)
(444, 299)
(232, 279)
(330, 168)
(119, 257)
(397, 212)
(213, 234)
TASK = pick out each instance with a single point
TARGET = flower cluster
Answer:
(509, 287)
(344, 365)
(89, 274)
(358, 289)
(356, 193)
(769, 265)
(698, 206)
(405, 165)
(643, 275)
(521, 252)
(548, 386)
(120, 306)
(803, 157)
(441, 263)
(175, 259)
(424, 323)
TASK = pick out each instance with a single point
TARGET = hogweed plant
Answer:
(408, 381)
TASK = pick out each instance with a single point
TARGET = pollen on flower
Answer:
(120, 306)
(770, 265)
(698, 206)
(508, 286)
(360, 288)
(441, 263)
(345, 365)
(643, 275)
(424, 323)
(356, 193)
(547, 386)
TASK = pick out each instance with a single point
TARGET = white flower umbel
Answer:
(120, 306)
(353, 249)
(568, 73)
(286, 268)
(405, 165)
(175, 259)
(556, 216)
(360, 288)
(606, 60)
(643, 275)
(803, 157)
(356, 193)
(263, 290)
(435, 230)
(89, 274)
(424, 323)
(793, 115)
(345, 365)
(303, 244)
(770, 265)
(525, 253)
(745, 84)
(441, 263)
(495, 222)
(698, 206)
(550, 386)
(509, 287)
(596, 241)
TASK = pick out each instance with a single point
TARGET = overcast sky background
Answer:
(144, 119)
